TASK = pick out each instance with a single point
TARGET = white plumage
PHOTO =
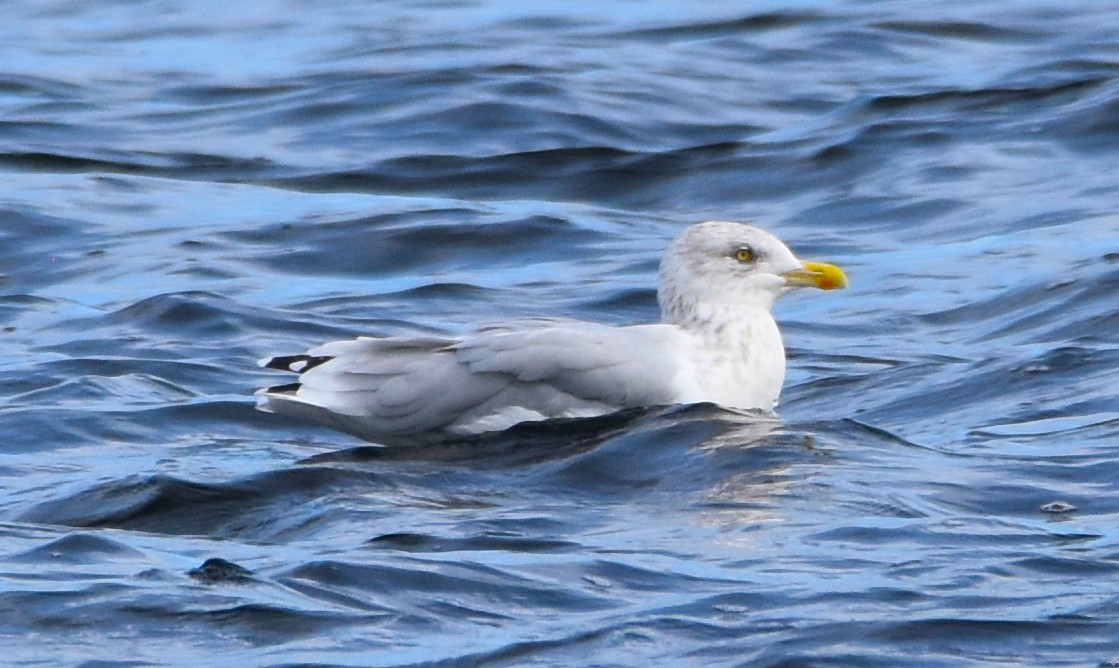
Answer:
(717, 342)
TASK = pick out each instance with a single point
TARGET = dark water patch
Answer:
(22, 229)
(753, 23)
(1023, 496)
(963, 30)
(377, 246)
(524, 444)
(55, 611)
(49, 430)
(627, 305)
(617, 455)
(78, 549)
(203, 94)
(992, 392)
(584, 173)
(184, 324)
(37, 87)
(866, 435)
(450, 291)
(196, 313)
(54, 162)
(621, 575)
(1075, 421)
(219, 571)
(482, 589)
(1011, 302)
(691, 448)
(524, 116)
(508, 542)
(38, 250)
(252, 624)
(92, 388)
(977, 532)
(188, 166)
(600, 466)
(1063, 360)
(14, 306)
(100, 611)
(990, 634)
(351, 319)
(170, 389)
(338, 595)
(267, 234)
(868, 213)
(164, 504)
(922, 119)
(1054, 312)
(1066, 566)
(1089, 124)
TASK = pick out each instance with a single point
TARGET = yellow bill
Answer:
(817, 275)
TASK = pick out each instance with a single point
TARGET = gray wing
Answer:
(617, 366)
(403, 391)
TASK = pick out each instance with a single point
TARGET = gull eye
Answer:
(745, 254)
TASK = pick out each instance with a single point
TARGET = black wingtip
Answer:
(290, 388)
(295, 363)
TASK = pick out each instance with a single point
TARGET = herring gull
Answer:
(717, 342)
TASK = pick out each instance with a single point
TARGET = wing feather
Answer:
(397, 390)
(619, 366)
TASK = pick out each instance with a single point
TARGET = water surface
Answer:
(189, 187)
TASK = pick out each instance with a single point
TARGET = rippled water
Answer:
(188, 187)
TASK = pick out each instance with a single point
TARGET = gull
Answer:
(717, 342)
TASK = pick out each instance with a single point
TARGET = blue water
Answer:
(190, 186)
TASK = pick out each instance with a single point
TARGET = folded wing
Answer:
(407, 391)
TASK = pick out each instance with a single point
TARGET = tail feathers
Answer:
(294, 363)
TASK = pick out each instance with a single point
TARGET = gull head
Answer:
(721, 267)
